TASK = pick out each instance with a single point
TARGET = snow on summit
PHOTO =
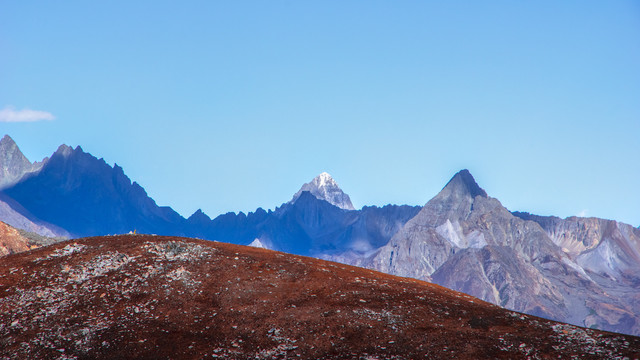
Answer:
(325, 188)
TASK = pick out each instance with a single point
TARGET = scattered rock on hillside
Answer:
(150, 297)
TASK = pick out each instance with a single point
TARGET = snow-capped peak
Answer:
(324, 179)
(323, 187)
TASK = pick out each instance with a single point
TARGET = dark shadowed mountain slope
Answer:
(149, 297)
(14, 214)
(85, 196)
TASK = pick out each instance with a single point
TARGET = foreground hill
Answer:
(151, 297)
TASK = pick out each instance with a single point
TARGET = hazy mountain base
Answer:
(15, 215)
(308, 226)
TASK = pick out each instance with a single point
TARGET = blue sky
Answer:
(230, 106)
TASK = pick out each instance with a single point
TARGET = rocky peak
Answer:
(13, 164)
(325, 188)
(10, 154)
(199, 217)
(455, 202)
(464, 183)
(7, 141)
(64, 150)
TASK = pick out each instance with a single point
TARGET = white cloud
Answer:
(583, 213)
(9, 114)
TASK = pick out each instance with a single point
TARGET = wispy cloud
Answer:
(10, 114)
(583, 213)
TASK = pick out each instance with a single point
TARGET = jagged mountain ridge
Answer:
(85, 196)
(307, 226)
(13, 167)
(582, 238)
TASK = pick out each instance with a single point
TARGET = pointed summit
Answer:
(64, 150)
(199, 217)
(7, 141)
(13, 164)
(463, 182)
(9, 151)
(323, 187)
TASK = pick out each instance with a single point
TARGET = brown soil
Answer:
(151, 297)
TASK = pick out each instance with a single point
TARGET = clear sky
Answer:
(232, 105)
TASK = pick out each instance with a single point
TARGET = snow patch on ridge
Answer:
(454, 234)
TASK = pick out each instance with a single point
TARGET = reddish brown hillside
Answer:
(149, 297)
(11, 241)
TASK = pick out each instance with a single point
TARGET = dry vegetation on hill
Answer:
(151, 297)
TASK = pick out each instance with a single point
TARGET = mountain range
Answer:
(585, 271)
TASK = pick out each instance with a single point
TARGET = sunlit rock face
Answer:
(560, 269)
(604, 247)
(608, 252)
(11, 241)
